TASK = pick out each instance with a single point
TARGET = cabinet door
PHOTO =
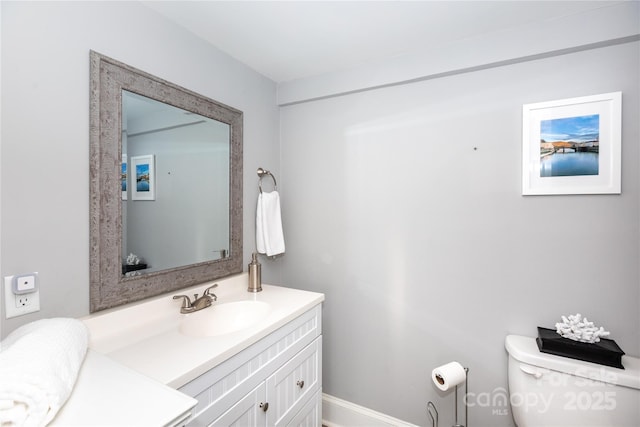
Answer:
(249, 411)
(293, 384)
(310, 415)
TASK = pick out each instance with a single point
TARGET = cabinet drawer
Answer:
(294, 383)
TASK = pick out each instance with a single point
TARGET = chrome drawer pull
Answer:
(300, 384)
(264, 406)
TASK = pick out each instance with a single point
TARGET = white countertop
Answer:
(109, 394)
(138, 357)
(146, 338)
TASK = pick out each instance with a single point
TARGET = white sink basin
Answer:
(224, 318)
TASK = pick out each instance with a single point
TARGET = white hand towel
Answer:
(269, 235)
(39, 364)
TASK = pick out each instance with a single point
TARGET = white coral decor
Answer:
(132, 259)
(578, 328)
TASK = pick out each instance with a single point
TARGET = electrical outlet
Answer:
(19, 304)
(23, 300)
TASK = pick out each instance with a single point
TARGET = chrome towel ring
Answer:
(261, 174)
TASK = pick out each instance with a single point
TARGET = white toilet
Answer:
(549, 391)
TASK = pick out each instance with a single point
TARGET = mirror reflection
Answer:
(175, 186)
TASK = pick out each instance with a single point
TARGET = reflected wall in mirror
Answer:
(189, 186)
(166, 186)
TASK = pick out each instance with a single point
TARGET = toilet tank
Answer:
(547, 390)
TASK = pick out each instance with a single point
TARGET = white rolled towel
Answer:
(39, 365)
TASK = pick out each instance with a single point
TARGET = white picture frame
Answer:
(142, 172)
(572, 146)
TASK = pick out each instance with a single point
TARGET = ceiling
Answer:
(288, 40)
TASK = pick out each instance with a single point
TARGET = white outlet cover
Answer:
(11, 308)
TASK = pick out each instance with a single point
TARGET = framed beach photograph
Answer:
(143, 177)
(572, 146)
(123, 177)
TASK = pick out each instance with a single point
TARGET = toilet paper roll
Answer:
(448, 376)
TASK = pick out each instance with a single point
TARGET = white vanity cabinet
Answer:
(276, 381)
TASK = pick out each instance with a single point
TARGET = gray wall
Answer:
(188, 221)
(424, 246)
(45, 130)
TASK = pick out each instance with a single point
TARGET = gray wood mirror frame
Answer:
(109, 287)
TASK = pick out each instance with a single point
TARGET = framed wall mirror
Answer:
(165, 186)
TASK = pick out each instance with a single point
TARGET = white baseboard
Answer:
(340, 413)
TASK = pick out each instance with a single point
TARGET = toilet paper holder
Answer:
(439, 379)
(466, 408)
(431, 410)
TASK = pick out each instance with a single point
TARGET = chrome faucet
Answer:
(204, 301)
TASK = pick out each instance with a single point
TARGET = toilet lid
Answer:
(525, 349)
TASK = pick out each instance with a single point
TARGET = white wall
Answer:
(424, 246)
(45, 129)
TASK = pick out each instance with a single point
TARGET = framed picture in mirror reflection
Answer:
(123, 177)
(142, 173)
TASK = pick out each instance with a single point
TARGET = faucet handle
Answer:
(209, 293)
(186, 302)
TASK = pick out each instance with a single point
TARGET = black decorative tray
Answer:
(132, 267)
(606, 352)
